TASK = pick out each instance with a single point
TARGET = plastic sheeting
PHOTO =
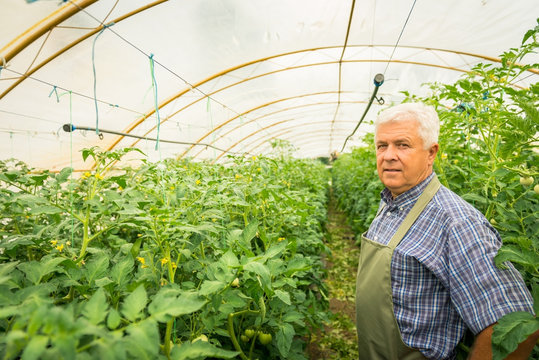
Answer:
(232, 75)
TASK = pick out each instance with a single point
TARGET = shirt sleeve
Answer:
(480, 291)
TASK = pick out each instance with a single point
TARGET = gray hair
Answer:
(426, 117)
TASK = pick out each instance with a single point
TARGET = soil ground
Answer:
(339, 339)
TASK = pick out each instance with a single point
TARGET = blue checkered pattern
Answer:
(443, 275)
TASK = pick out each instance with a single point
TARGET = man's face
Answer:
(401, 159)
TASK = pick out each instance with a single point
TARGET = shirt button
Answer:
(401, 208)
(376, 238)
(388, 213)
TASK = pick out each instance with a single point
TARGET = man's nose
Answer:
(390, 153)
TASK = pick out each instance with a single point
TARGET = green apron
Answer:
(379, 336)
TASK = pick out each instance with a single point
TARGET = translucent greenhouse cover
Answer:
(209, 78)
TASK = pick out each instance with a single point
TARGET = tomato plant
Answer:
(166, 260)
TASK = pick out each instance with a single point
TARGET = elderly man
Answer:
(426, 270)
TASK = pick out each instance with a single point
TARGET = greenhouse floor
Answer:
(338, 340)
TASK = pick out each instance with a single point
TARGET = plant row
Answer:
(174, 260)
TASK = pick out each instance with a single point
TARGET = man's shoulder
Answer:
(454, 207)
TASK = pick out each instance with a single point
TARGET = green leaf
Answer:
(166, 304)
(134, 303)
(516, 255)
(36, 270)
(64, 174)
(35, 347)
(276, 250)
(200, 350)
(284, 336)
(249, 232)
(230, 259)
(95, 310)
(511, 330)
(96, 268)
(114, 319)
(45, 209)
(210, 287)
(143, 340)
(104, 281)
(261, 270)
(6, 269)
(283, 296)
(475, 198)
(122, 271)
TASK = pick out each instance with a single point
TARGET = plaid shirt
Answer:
(443, 276)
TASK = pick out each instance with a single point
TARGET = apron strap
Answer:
(414, 213)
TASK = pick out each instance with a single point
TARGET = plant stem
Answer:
(231, 330)
(168, 335)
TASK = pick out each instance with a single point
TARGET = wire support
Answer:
(72, 92)
(399, 38)
(70, 128)
(185, 81)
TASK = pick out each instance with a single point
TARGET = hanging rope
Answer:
(95, 77)
(154, 86)
(71, 164)
(54, 91)
(378, 81)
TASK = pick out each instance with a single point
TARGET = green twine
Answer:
(208, 110)
(154, 86)
(95, 78)
(55, 92)
(71, 164)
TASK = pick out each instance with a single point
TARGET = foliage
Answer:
(169, 260)
(488, 155)
(356, 185)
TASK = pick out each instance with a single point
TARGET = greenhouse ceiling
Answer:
(209, 78)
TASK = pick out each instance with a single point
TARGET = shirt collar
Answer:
(408, 197)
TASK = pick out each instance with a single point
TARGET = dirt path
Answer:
(338, 340)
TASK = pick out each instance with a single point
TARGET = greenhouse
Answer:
(202, 179)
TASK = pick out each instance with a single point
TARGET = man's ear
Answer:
(433, 150)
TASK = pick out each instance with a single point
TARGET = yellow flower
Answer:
(99, 176)
(254, 157)
(174, 266)
(198, 182)
(87, 174)
(444, 156)
(172, 187)
(141, 260)
(214, 219)
(280, 239)
(60, 247)
(68, 243)
(120, 188)
(144, 266)
(54, 242)
(259, 169)
(238, 176)
(139, 235)
(164, 261)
